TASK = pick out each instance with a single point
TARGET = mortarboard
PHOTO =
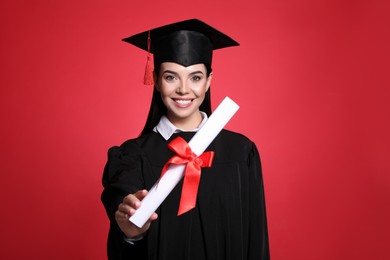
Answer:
(186, 42)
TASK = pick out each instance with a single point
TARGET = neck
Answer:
(187, 124)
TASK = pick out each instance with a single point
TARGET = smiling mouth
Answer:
(183, 101)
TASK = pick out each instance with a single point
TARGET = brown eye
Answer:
(196, 78)
(169, 77)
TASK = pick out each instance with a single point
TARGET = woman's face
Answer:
(182, 91)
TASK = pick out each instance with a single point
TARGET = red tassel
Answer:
(148, 77)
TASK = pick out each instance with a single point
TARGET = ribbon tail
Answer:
(190, 188)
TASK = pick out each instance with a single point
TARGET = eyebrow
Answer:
(175, 73)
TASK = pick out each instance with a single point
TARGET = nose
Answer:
(182, 88)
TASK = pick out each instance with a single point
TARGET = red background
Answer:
(312, 79)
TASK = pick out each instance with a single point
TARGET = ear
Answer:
(210, 77)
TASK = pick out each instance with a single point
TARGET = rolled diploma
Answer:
(198, 144)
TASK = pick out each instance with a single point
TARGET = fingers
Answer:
(125, 208)
(153, 217)
(121, 214)
(141, 194)
(132, 202)
(128, 208)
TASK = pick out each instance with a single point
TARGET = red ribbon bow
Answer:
(191, 173)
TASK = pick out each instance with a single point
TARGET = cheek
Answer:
(201, 90)
(164, 89)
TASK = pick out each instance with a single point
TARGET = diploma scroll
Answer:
(198, 144)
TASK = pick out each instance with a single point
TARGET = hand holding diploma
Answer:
(126, 209)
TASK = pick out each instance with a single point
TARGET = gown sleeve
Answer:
(122, 175)
(258, 232)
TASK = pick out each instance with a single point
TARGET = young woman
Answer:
(229, 218)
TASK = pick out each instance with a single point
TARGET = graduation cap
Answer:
(187, 43)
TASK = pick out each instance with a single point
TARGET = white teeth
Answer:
(183, 102)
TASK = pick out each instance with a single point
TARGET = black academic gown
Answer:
(229, 220)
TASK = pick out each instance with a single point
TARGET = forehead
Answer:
(175, 67)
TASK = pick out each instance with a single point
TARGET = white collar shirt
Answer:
(166, 129)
